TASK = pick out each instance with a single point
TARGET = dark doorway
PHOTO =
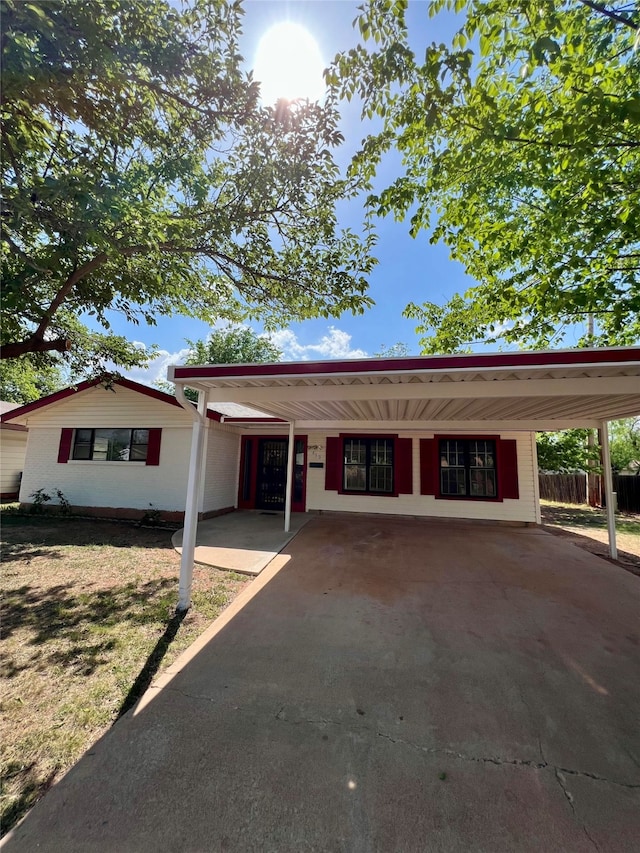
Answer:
(272, 473)
(263, 473)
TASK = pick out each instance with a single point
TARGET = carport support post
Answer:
(608, 491)
(289, 491)
(191, 509)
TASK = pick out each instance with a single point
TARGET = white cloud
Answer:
(157, 367)
(335, 344)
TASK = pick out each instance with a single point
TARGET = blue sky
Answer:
(409, 270)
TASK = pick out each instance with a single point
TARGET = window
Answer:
(467, 468)
(368, 465)
(111, 445)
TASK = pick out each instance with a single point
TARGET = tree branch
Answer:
(34, 344)
(602, 10)
(76, 276)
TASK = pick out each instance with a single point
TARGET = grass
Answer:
(588, 527)
(88, 621)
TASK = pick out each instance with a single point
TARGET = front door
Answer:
(263, 473)
(271, 483)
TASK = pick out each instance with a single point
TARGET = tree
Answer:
(521, 151)
(142, 176)
(398, 350)
(566, 451)
(232, 345)
(25, 379)
(240, 345)
(624, 438)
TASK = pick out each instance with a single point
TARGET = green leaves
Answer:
(521, 152)
(142, 176)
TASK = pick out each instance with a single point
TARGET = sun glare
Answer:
(288, 64)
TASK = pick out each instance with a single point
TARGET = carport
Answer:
(522, 391)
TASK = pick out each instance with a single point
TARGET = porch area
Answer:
(244, 541)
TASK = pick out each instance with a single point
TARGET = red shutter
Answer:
(153, 447)
(508, 469)
(404, 466)
(333, 465)
(64, 450)
(428, 466)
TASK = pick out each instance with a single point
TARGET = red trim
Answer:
(247, 503)
(64, 449)
(428, 466)
(153, 446)
(8, 496)
(439, 362)
(403, 464)
(508, 468)
(333, 464)
(301, 506)
(239, 420)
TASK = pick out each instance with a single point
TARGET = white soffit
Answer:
(464, 396)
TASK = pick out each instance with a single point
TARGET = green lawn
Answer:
(88, 620)
(588, 527)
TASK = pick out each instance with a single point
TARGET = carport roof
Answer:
(513, 390)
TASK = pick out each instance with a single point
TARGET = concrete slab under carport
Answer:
(243, 541)
(395, 685)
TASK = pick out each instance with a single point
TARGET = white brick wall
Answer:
(110, 484)
(221, 471)
(522, 509)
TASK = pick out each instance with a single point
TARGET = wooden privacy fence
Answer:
(564, 488)
(572, 489)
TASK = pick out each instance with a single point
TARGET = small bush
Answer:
(40, 498)
(151, 517)
(65, 506)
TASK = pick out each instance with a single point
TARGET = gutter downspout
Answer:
(199, 415)
(608, 491)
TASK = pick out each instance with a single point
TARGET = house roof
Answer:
(514, 390)
(231, 412)
(6, 406)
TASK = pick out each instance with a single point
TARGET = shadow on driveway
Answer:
(384, 685)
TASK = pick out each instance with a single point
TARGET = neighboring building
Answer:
(447, 436)
(13, 446)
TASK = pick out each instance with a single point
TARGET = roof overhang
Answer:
(541, 390)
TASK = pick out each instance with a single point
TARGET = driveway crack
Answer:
(563, 784)
(560, 772)
(586, 832)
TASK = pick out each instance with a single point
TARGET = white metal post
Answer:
(608, 491)
(191, 509)
(289, 492)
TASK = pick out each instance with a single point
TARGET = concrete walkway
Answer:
(394, 686)
(242, 541)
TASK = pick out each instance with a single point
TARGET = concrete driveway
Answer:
(396, 685)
